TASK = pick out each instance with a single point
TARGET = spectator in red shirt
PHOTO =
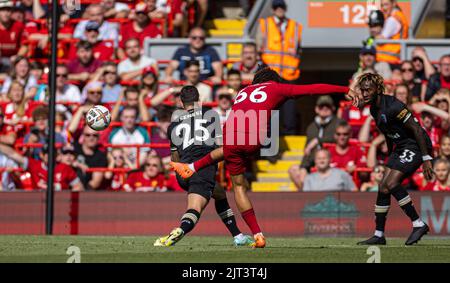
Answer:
(65, 177)
(18, 110)
(11, 37)
(7, 133)
(440, 79)
(117, 159)
(434, 131)
(141, 27)
(102, 50)
(441, 170)
(344, 155)
(151, 178)
(83, 68)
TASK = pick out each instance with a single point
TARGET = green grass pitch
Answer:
(214, 249)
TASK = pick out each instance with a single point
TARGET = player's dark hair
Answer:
(189, 94)
(374, 80)
(266, 74)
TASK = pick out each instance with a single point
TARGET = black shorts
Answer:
(201, 183)
(405, 160)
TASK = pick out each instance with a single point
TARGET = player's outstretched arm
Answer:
(415, 128)
(297, 90)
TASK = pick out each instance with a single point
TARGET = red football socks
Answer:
(250, 218)
(203, 162)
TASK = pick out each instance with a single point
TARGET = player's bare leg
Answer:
(187, 170)
(391, 185)
(240, 187)
(225, 212)
(196, 204)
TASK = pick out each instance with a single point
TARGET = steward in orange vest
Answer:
(280, 45)
(390, 52)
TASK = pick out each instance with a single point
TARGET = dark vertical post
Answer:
(51, 119)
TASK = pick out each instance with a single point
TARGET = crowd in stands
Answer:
(101, 61)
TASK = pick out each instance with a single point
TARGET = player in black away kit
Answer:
(409, 147)
(192, 135)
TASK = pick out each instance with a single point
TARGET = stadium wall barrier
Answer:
(280, 214)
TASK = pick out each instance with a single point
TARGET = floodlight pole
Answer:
(51, 119)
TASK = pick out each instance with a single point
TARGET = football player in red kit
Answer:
(243, 131)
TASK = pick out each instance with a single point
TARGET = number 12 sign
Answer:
(345, 14)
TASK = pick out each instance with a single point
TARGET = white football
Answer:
(98, 118)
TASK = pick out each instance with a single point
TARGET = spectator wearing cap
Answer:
(249, 62)
(211, 67)
(12, 37)
(64, 178)
(440, 79)
(326, 178)
(368, 63)
(107, 30)
(141, 27)
(115, 9)
(102, 50)
(131, 68)
(320, 131)
(279, 42)
(83, 67)
(224, 99)
(39, 133)
(129, 133)
(192, 74)
(89, 156)
(423, 67)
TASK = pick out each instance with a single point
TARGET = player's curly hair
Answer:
(374, 80)
(266, 74)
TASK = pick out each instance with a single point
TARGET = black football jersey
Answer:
(390, 118)
(194, 133)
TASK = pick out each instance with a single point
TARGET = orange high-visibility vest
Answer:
(390, 53)
(280, 51)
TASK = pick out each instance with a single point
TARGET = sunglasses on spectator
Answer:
(109, 72)
(407, 70)
(197, 37)
(91, 135)
(342, 134)
(118, 157)
(62, 75)
(95, 92)
(152, 165)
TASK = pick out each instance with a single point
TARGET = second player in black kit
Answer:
(409, 148)
(193, 133)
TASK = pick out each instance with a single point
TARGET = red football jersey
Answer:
(65, 176)
(353, 155)
(11, 39)
(137, 182)
(127, 31)
(435, 187)
(252, 107)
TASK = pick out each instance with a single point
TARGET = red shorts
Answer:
(236, 157)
